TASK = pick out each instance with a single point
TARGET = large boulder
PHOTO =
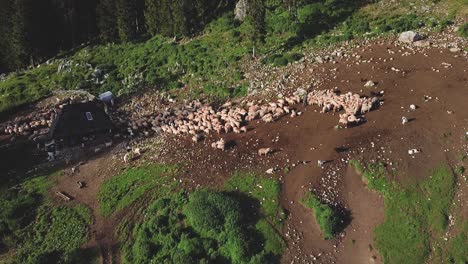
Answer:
(409, 37)
(241, 10)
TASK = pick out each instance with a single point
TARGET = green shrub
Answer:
(211, 213)
(463, 30)
(205, 227)
(325, 216)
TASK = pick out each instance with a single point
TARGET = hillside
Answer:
(341, 140)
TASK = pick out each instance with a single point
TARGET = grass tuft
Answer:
(325, 216)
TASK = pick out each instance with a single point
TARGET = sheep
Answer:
(404, 120)
(265, 151)
(137, 151)
(126, 158)
(220, 144)
(197, 138)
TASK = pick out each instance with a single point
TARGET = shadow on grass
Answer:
(321, 18)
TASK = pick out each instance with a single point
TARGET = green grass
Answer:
(265, 190)
(36, 230)
(124, 189)
(414, 215)
(206, 226)
(267, 193)
(325, 216)
(457, 248)
(463, 30)
(57, 235)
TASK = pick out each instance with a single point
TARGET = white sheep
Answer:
(265, 151)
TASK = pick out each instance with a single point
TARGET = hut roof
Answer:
(79, 120)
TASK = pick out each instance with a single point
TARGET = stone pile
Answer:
(353, 104)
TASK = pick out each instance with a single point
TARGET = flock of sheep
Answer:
(37, 123)
(32, 125)
(353, 105)
(198, 119)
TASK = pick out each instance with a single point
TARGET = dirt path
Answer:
(93, 173)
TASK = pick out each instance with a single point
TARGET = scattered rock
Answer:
(409, 37)
(369, 84)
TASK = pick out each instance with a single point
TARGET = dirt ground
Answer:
(435, 80)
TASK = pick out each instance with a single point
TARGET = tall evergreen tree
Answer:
(6, 12)
(181, 12)
(126, 19)
(256, 12)
(159, 19)
(20, 38)
(107, 25)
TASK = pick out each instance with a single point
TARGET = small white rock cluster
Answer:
(353, 104)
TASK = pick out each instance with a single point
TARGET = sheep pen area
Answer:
(353, 110)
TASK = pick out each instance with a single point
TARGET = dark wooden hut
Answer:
(76, 121)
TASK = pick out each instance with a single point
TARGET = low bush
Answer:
(278, 60)
(326, 217)
(463, 30)
(206, 226)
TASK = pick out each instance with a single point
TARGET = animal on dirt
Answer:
(265, 151)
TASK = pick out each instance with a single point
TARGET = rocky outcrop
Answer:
(409, 37)
(241, 10)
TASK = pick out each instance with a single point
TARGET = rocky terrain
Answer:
(400, 101)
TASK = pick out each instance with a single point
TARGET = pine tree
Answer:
(181, 14)
(106, 16)
(126, 20)
(256, 12)
(20, 40)
(151, 18)
(5, 34)
(159, 19)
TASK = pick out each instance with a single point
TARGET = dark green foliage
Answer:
(182, 17)
(325, 216)
(126, 19)
(281, 59)
(6, 12)
(31, 31)
(20, 38)
(211, 213)
(106, 22)
(257, 12)
(205, 227)
(463, 30)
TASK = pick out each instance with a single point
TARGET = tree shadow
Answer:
(322, 18)
(345, 217)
